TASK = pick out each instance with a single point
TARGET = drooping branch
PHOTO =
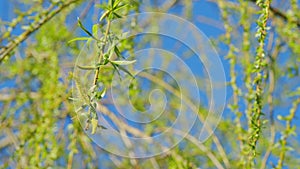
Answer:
(278, 13)
(5, 51)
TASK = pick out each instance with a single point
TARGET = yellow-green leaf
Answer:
(78, 39)
(123, 62)
(94, 125)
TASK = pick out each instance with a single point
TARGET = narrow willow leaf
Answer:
(112, 2)
(118, 53)
(84, 29)
(117, 15)
(92, 89)
(104, 15)
(123, 62)
(102, 127)
(116, 3)
(279, 117)
(125, 70)
(111, 52)
(120, 7)
(78, 39)
(94, 123)
(88, 67)
(101, 94)
(25, 27)
(116, 69)
(88, 43)
(95, 30)
(92, 111)
(73, 99)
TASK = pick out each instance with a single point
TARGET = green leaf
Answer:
(88, 67)
(123, 62)
(110, 55)
(116, 69)
(104, 15)
(280, 117)
(92, 89)
(120, 7)
(102, 127)
(115, 5)
(94, 123)
(112, 3)
(88, 43)
(118, 53)
(117, 15)
(25, 27)
(78, 39)
(125, 70)
(101, 94)
(84, 29)
(95, 29)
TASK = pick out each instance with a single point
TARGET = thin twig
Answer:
(101, 53)
(139, 133)
(191, 105)
(278, 13)
(272, 68)
(287, 129)
(5, 52)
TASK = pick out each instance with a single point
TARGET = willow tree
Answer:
(50, 47)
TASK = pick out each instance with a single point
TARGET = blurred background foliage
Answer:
(258, 43)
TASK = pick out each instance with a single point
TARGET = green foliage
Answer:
(104, 58)
(36, 107)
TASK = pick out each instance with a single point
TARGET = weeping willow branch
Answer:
(259, 65)
(5, 51)
(272, 84)
(102, 52)
(246, 45)
(278, 13)
(289, 130)
(233, 75)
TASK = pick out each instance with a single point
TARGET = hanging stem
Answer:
(101, 53)
(259, 65)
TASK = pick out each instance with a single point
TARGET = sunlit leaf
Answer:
(120, 7)
(84, 29)
(123, 62)
(104, 15)
(95, 29)
(101, 94)
(79, 39)
(87, 67)
(94, 123)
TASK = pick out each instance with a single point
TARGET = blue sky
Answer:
(200, 8)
